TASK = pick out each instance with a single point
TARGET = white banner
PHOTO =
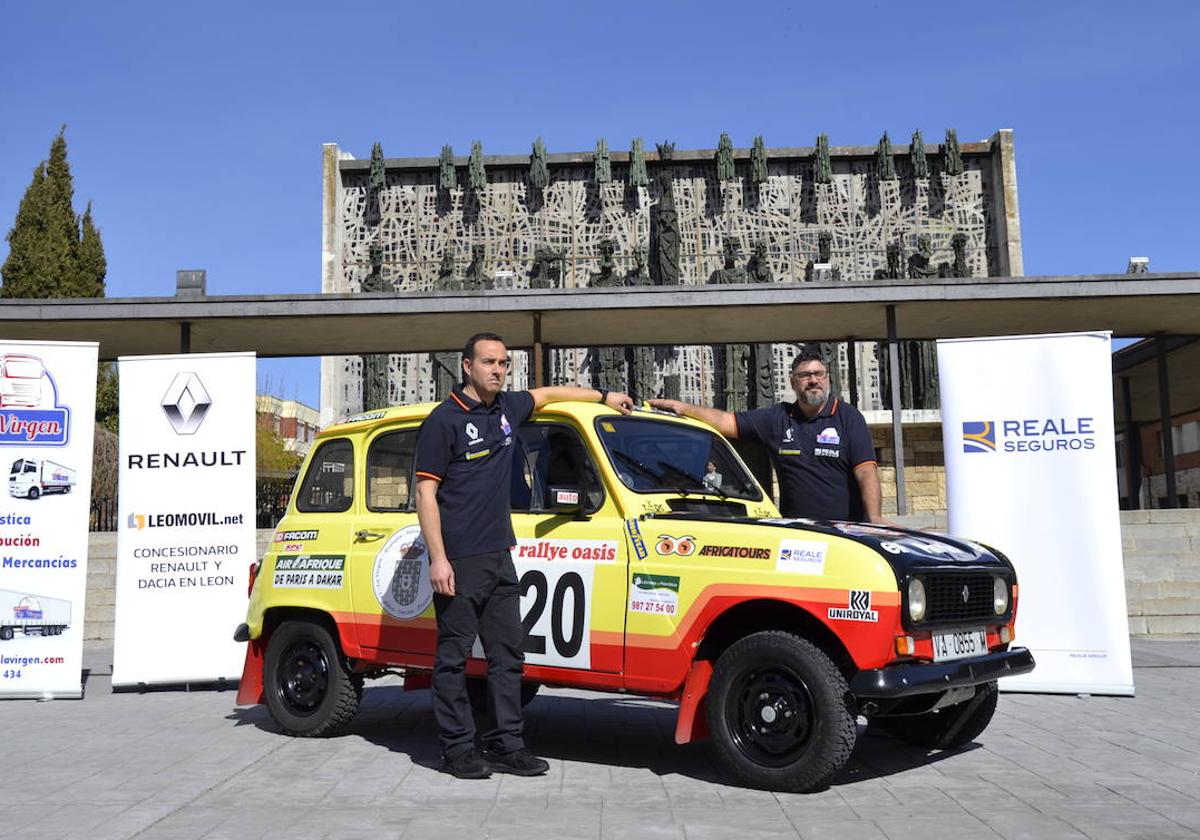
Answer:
(186, 516)
(47, 420)
(1027, 425)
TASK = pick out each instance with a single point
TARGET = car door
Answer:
(572, 567)
(392, 596)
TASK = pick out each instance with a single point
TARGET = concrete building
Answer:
(295, 423)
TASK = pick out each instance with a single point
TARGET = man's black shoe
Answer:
(518, 762)
(467, 764)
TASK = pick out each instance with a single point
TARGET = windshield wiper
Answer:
(637, 465)
(695, 479)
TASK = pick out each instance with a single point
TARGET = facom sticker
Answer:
(802, 557)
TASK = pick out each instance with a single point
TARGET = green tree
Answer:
(52, 252)
(273, 457)
(107, 393)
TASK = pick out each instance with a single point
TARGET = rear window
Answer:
(390, 470)
(329, 483)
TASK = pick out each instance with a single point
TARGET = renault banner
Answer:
(186, 517)
(1027, 424)
(47, 418)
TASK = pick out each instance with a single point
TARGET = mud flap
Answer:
(691, 725)
(250, 689)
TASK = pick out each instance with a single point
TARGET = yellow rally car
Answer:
(642, 571)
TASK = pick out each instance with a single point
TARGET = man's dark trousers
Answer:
(487, 602)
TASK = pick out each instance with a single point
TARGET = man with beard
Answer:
(820, 446)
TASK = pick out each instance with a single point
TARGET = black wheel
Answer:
(6, 633)
(309, 690)
(779, 712)
(477, 693)
(33, 493)
(949, 728)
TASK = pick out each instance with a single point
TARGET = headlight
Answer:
(916, 599)
(999, 596)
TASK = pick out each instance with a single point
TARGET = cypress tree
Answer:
(52, 252)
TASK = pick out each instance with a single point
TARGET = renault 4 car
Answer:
(643, 570)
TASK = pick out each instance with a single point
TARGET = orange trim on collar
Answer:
(461, 404)
(835, 407)
(423, 474)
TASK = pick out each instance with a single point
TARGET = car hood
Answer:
(903, 548)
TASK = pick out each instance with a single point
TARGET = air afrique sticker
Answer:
(309, 571)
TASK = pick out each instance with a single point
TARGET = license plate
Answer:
(948, 646)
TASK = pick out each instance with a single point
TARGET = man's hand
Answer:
(621, 402)
(673, 406)
(441, 575)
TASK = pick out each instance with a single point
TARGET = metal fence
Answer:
(271, 500)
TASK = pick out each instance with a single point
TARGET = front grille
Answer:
(944, 597)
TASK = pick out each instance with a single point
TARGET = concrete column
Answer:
(1007, 222)
(1133, 449)
(897, 425)
(1164, 421)
(332, 367)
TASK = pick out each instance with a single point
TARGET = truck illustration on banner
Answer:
(30, 414)
(33, 615)
(21, 381)
(33, 477)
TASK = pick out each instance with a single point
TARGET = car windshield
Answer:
(655, 456)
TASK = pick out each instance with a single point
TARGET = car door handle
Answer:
(368, 536)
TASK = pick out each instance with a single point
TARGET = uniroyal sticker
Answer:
(654, 594)
(599, 551)
(295, 536)
(801, 557)
(858, 610)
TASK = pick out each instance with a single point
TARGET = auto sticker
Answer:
(401, 574)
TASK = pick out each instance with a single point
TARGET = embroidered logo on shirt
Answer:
(830, 435)
(473, 433)
(787, 436)
(504, 426)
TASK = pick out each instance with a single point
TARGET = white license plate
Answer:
(948, 646)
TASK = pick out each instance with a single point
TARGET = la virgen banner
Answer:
(1027, 427)
(185, 523)
(47, 422)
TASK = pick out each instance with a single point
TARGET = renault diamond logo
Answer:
(966, 593)
(186, 403)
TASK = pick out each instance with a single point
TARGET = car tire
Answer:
(780, 713)
(477, 693)
(33, 493)
(946, 729)
(308, 688)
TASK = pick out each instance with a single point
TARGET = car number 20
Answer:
(556, 613)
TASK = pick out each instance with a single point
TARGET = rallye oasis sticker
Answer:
(401, 575)
(601, 551)
(309, 571)
(803, 557)
(654, 594)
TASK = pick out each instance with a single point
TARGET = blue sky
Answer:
(196, 129)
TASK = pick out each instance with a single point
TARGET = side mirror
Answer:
(566, 500)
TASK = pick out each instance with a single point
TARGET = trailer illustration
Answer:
(33, 477)
(33, 615)
(20, 380)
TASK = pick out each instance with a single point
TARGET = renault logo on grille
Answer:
(966, 593)
(186, 403)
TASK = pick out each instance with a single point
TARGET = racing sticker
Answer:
(601, 551)
(654, 594)
(309, 571)
(401, 575)
(296, 536)
(801, 557)
(635, 539)
(668, 544)
(859, 608)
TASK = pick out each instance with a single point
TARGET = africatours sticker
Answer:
(309, 571)
(654, 594)
(859, 608)
(401, 576)
(803, 557)
(741, 552)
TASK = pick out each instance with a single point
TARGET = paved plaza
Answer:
(176, 764)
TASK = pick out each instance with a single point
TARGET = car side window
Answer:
(390, 470)
(552, 455)
(329, 483)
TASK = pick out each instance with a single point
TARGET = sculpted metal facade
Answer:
(787, 215)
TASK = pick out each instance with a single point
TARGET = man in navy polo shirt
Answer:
(820, 446)
(463, 465)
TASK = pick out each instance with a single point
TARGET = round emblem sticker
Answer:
(401, 576)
